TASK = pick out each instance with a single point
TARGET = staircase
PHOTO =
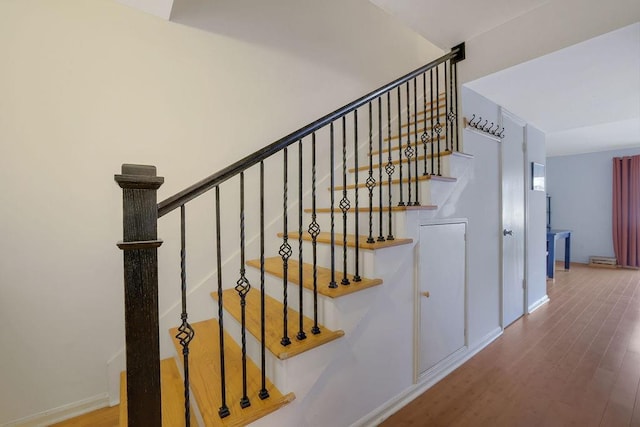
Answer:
(349, 189)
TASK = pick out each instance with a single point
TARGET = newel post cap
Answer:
(139, 176)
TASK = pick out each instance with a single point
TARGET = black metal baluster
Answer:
(438, 127)
(425, 135)
(446, 109)
(371, 182)
(344, 203)
(433, 151)
(401, 202)
(285, 252)
(223, 411)
(409, 150)
(263, 393)
(380, 213)
(356, 276)
(314, 230)
(390, 167)
(415, 135)
(452, 114)
(185, 331)
(333, 283)
(243, 287)
(301, 335)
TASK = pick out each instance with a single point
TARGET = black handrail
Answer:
(234, 169)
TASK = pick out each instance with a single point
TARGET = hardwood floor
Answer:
(105, 417)
(573, 362)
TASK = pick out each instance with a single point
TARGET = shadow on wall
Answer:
(340, 33)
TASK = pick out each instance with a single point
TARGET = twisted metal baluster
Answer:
(356, 276)
(332, 283)
(263, 393)
(390, 167)
(223, 411)
(452, 115)
(243, 287)
(425, 135)
(371, 182)
(314, 230)
(185, 331)
(401, 202)
(438, 127)
(446, 109)
(380, 213)
(301, 335)
(408, 152)
(285, 252)
(415, 135)
(345, 205)
(433, 151)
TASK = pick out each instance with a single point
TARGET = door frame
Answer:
(502, 112)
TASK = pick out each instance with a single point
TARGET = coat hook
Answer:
(488, 128)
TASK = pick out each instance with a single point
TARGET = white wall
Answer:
(536, 223)
(87, 86)
(580, 188)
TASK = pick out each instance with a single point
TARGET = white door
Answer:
(441, 292)
(513, 219)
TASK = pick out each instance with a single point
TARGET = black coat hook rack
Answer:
(490, 129)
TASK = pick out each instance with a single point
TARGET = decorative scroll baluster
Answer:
(301, 335)
(409, 150)
(433, 141)
(185, 331)
(243, 287)
(263, 393)
(451, 115)
(333, 283)
(390, 167)
(344, 203)
(401, 202)
(356, 276)
(438, 127)
(415, 135)
(285, 252)
(314, 230)
(425, 135)
(371, 182)
(223, 411)
(380, 213)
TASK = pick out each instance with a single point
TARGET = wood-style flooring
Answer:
(573, 362)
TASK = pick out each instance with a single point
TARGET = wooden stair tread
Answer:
(172, 390)
(377, 209)
(325, 237)
(431, 105)
(397, 181)
(397, 161)
(394, 146)
(204, 373)
(273, 318)
(274, 267)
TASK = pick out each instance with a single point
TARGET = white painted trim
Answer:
(394, 404)
(62, 413)
(536, 305)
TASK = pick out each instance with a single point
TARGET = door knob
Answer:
(506, 232)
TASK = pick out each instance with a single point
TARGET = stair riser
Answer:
(364, 174)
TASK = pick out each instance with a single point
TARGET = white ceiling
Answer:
(585, 97)
(448, 23)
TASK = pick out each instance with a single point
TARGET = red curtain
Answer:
(626, 210)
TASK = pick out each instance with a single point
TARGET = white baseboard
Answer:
(62, 413)
(394, 404)
(536, 305)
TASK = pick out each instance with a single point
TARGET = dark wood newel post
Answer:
(140, 247)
